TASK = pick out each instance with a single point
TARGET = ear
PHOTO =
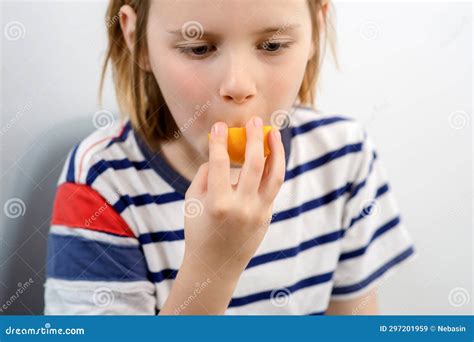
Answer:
(128, 20)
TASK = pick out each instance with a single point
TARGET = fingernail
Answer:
(257, 122)
(219, 129)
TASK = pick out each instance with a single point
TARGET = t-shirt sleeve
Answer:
(95, 265)
(375, 241)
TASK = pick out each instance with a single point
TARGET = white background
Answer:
(406, 74)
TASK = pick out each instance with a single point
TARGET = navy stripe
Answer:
(126, 200)
(326, 158)
(380, 231)
(71, 168)
(123, 136)
(316, 123)
(378, 273)
(319, 313)
(266, 295)
(77, 258)
(291, 252)
(179, 234)
(257, 260)
(313, 204)
(357, 188)
(172, 235)
(368, 209)
(168, 273)
(118, 164)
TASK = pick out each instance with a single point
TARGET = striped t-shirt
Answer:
(117, 232)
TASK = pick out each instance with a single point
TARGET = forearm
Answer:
(197, 290)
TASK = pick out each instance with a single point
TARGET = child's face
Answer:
(212, 63)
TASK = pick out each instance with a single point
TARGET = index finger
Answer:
(219, 161)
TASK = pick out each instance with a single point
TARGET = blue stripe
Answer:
(357, 188)
(317, 123)
(368, 209)
(380, 231)
(318, 162)
(255, 261)
(318, 313)
(118, 164)
(267, 295)
(126, 201)
(378, 273)
(291, 252)
(77, 258)
(168, 273)
(172, 235)
(122, 137)
(179, 234)
(313, 204)
(71, 168)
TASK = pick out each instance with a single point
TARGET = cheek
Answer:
(284, 82)
(184, 94)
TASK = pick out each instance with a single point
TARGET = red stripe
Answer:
(80, 206)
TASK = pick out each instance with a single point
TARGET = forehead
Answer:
(228, 15)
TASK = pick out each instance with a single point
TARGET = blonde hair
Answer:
(138, 93)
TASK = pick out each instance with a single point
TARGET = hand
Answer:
(232, 220)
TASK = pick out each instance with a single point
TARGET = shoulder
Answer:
(317, 133)
(78, 195)
(103, 144)
(310, 123)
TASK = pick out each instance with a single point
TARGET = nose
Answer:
(237, 84)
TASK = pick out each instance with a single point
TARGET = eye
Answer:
(273, 47)
(196, 51)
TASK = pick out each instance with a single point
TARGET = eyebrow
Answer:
(272, 29)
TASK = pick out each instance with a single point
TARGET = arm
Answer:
(363, 305)
(197, 290)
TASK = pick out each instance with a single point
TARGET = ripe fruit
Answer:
(236, 141)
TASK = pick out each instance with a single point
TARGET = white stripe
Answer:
(280, 235)
(361, 232)
(381, 251)
(302, 302)
(93, 144)
(64, 297)
(93, 235)
(322, 140)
